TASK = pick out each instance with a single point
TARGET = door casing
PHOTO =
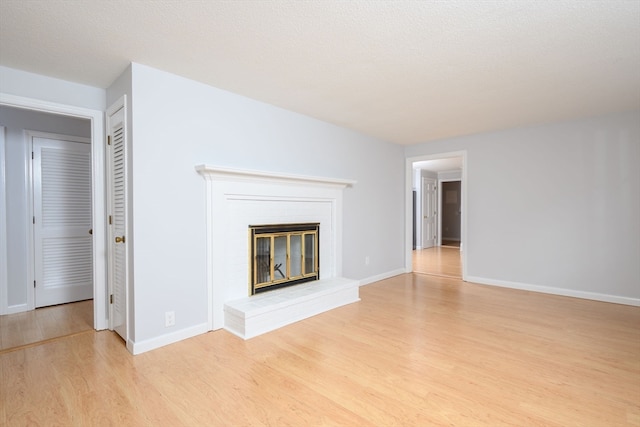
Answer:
(409, 161)
(96, 117)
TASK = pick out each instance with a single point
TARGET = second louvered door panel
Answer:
(117, 205)
(62, 220)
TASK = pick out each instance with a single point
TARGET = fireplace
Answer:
(283, 255)
(234, 200)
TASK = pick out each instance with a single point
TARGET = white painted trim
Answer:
(99, 221)
(224, 186)
(382, 276)
(556, 291)
(27, 149)
(248, 174)
(18, 308)
(409, 208)
(138, 347)
(4, 294)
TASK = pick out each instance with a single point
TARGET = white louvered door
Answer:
(62, 220)
(117, 205)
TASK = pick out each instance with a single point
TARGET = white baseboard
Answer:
(18, 308)
(166, 339)
(383, 276)
(556, 291)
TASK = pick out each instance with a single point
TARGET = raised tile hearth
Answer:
(258, 314)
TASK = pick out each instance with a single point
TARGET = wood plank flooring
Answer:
(417, 350)
(438, 261)
(44, 324)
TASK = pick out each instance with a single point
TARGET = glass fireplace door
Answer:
(281, 258)
(295, 257)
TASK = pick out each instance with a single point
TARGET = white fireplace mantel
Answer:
(237, 198)
(212, 172)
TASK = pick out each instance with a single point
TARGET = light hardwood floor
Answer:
(44, 324)
(439, 261)
(417, 350)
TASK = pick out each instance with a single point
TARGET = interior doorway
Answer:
(61, 223)
(446, 256)
(451, 214)
(94, 118)
(443, 261)
(48, 256)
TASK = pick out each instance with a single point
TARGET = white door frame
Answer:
(3, 228)
(98, 189)
(408, 240)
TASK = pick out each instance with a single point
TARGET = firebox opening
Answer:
(283, 255)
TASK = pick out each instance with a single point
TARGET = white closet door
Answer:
(429, 212)
(62, 220)
(117, 206)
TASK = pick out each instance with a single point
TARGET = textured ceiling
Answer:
(402, 71)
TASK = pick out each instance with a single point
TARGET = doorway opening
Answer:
(439, 226)
(443, 261)
(48, 227)
(451, 213)
(94, 312)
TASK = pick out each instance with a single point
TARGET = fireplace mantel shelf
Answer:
(211, 172)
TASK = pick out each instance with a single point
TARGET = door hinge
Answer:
(32, 156)
(110, 220)
(111, 299)
(108, 139)
(34, 219)
(34, 283)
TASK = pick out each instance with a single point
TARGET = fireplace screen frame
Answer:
(271, 270)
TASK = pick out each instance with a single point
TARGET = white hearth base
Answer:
(255, 315)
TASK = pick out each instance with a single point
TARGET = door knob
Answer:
(119, 239)
(91, 231)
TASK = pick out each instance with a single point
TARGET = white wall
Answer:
(36, 86)
(555, 207)
(178, 123)
(17, 155)
(450, 175)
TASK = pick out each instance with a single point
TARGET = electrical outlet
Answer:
(169, 318)
(366, 260)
